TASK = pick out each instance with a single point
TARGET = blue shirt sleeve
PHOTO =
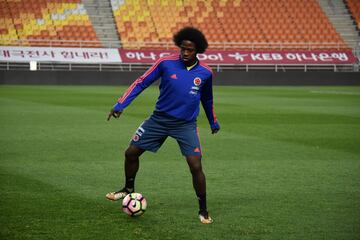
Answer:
(138, 86)
(208, 104)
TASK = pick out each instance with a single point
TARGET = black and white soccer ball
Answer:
(134, 204)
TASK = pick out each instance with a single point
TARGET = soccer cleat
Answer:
(204, 217)
(115, 196)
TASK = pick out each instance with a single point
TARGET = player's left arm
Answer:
(208, 105)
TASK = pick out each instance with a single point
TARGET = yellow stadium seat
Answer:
(159, 19)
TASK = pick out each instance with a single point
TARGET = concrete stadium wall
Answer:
(266, 78)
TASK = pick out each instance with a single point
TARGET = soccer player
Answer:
(185, 81)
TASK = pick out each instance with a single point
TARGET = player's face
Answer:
(188, 52)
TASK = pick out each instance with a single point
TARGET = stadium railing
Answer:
(141, 67)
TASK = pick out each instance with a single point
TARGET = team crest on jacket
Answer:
(197, 81)
(135, 138)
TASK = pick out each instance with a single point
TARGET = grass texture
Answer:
(285, 165)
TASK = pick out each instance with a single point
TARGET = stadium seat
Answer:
(261, 21)
(354, 8)
(41, 20)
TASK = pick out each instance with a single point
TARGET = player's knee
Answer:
(128, 154)
(196, 168)
(133, 152)
(196, 171)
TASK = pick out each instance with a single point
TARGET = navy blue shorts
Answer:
(153, 132)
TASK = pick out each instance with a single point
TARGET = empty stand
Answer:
(35, 22)
(152, 23)
(354, 7)
(101, 16)
(271, 23)
(340, 17)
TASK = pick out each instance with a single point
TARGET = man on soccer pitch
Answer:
(185, 81)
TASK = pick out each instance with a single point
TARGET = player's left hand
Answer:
(114, 113)
(214, 130)
(215, 127)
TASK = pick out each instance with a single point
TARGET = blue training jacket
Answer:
(181, 90)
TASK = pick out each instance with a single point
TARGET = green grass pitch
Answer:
(285, 165)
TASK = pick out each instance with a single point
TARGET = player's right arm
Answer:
(135, 89)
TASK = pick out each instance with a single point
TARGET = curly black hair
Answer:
(194, 35)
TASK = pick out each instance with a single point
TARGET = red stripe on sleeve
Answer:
(141, 79)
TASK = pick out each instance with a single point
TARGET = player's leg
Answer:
(131, 163)
(131, 166)
(199, 183)
(149, 136)
(187, 136)
(198, 177)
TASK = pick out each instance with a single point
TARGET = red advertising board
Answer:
(113, 55)
(249, 57)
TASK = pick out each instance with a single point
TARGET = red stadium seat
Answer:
(354, 7)
(252, 21)
(27, 15)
